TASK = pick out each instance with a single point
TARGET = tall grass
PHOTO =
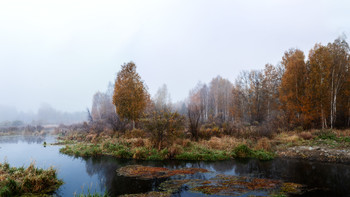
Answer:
(18, 181)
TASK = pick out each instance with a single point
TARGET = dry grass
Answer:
(263, 143)
(342, 133)
(135, 133)
(175, 149)
(183, 142)
(17, 181)
(287, 137)
(223, 143)
(306, 135)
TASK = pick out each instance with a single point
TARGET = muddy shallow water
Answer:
(99, 174)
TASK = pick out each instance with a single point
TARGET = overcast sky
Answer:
(62, 52)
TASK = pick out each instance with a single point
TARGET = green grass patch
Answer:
(194, 152)
(243, 151)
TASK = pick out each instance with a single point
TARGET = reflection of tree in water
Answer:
(21, 138)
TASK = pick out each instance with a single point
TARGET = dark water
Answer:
(98, 174)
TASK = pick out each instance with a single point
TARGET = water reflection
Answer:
(23, 138)
(322, 179)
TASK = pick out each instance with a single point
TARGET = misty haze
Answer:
(174, 98)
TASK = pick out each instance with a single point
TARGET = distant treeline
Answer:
(45, 115)
(299, 92)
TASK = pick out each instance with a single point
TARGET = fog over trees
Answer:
(307, 92)
(299, 92)
(46, 114)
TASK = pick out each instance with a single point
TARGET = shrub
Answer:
(135, 133)
(140, 153)
(306, 135)
(206, 133)
(242, 151)
(263, 155)
(138, 143)
(162, 126)
(175, 149)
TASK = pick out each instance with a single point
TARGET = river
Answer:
(99, 174)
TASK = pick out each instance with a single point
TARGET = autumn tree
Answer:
(293, 85)
(327, 90)
(256, 96)
(270, 84)
(317, 95)
(339, 51)
(130, 94)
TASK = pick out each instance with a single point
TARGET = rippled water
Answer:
(99, 174)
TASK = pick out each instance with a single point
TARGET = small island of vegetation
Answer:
(27, 181)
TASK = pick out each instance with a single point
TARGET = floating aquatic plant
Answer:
(149, 172)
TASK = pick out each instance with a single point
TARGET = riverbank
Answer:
(137, 148)
(326, 146)
(27, 181)
(319, 145)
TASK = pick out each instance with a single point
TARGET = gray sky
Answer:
(62, 52)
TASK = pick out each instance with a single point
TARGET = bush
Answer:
(162, 126)
(175, 149)
(207, 133)
(242, 151)
(306, 135)
(135, 133)
(140, 153)
(263, 155)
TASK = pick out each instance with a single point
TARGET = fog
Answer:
(45, 115)
(62, 52)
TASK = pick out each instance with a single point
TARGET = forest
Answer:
(277, 111)
(298, 109)
(298, 93)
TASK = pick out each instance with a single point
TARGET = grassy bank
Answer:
(212, 149)
(27, 181)
(137, 148)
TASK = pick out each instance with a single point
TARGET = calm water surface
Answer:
(99, 174)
